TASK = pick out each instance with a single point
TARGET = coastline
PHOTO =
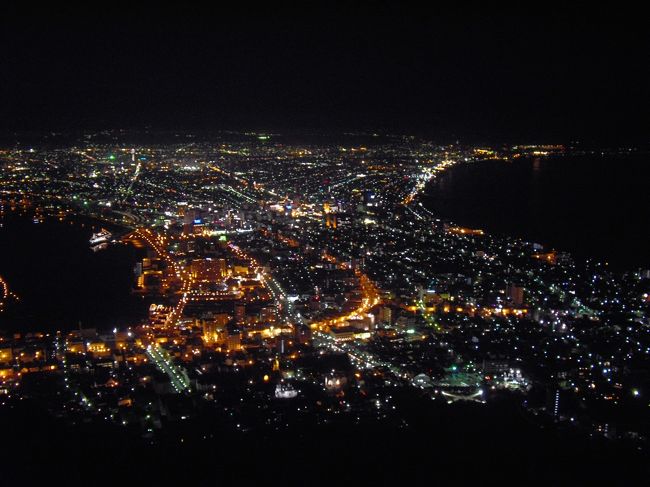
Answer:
(61, 281)
(503, 197)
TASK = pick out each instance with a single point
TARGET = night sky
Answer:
(556, 75)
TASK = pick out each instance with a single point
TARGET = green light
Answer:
(111, 157)
(223, 238)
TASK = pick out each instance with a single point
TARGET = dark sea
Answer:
(595, 206)
(60, 281)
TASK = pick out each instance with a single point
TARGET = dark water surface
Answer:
(592, 206)
(61, 281)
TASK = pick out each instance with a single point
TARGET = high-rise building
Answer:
(386, 315)
(302, 334)
(515, 294)
(233, 341)
(240, 312)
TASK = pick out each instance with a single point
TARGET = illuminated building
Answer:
(75, 344)
(6, 354)
(240, 270)
(464, 231)
(6, 373)
(208, 270)
(240, 313)
(158, 314)
(302, 334)
(335, 381)
(233, 340)
(515, 294)
(549, 257)
(98, 348)
(212, 327)
(285, 391)
(343, 333)
(366, 322)
(386, 315)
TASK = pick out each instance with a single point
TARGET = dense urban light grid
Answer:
(225, 302)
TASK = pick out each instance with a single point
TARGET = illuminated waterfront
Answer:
(60, 280)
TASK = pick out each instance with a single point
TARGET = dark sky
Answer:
(553, 75)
